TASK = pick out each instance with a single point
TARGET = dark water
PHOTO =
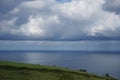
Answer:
(94, 62)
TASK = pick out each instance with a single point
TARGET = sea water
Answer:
(94, 62)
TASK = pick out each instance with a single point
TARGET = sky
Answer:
(59, 24)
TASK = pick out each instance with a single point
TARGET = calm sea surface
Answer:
(94, 62)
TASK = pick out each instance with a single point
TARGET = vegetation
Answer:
(107, 75)
(23, 71)
(83, 70)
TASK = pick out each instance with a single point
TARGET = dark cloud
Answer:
(8, 5)
(112, 5)
(9, 37)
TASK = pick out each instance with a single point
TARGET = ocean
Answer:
(98, 62)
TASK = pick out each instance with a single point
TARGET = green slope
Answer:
(22, 71)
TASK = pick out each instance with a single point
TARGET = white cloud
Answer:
(46, 19)
(7, 25)
(81, 9)
(33, 27)
(106, 25)
(36, 26)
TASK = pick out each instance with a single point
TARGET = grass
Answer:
(23, 71)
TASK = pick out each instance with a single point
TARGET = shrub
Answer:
(107, 75)
(83, 70)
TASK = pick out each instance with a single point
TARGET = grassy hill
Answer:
(23, 71)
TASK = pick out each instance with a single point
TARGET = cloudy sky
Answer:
(48, 24)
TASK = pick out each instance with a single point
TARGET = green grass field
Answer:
(23, 71)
